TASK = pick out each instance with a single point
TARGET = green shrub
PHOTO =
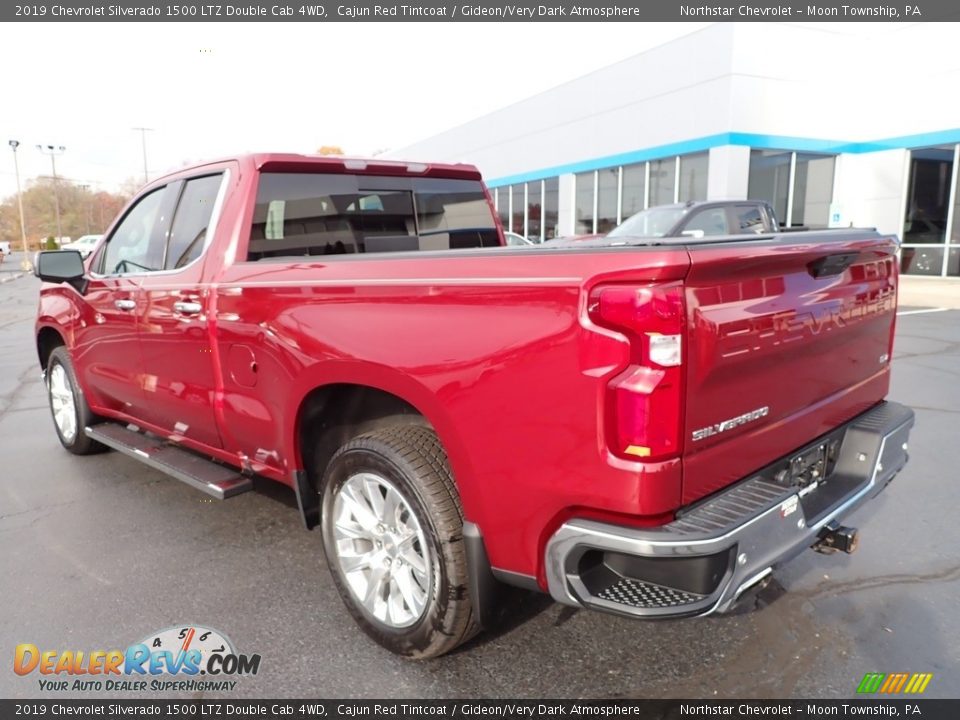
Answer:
(52, 244)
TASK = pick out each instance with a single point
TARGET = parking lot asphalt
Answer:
(98, 552)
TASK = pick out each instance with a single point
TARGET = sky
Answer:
(212, 89)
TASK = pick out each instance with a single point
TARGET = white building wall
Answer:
(669, 94)
(729, 173)
(870, 189)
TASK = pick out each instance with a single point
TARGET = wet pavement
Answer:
(97, 552)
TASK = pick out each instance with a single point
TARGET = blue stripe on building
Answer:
(753, 140)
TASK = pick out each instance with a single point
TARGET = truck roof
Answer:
(293, 162)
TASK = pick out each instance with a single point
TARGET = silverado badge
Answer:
(730, 424)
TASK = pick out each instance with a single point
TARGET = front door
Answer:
(106, 350)
(177, 362)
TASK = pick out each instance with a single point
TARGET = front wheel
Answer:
(393, 538)
(69, 408)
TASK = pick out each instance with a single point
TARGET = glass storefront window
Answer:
(634, 190)
(503, 206)
(770, 179)
(608, 182)
(812, 190)
(516, 213)
(953, 260)
(693, 176)
(663, 177)
(534, 209)
(921, 260)
(928, 196)
(584, 204)
(812, 185)
(551, 207)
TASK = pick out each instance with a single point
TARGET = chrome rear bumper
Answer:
(702, 561)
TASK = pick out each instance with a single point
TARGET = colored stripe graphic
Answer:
(870, 683)
(901, 680)
(894, 683)
(889, 682)
(922, 684)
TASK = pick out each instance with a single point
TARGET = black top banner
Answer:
(479, 11)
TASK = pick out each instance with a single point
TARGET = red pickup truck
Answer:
(648, 428)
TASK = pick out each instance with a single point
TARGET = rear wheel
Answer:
(393, 538)
(69, 408)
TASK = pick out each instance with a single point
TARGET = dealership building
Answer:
(856, 125)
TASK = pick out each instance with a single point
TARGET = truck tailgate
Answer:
(787, 339)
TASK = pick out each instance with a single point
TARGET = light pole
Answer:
(53, 151)
(86, 203)
(143, 142)
(25, 263)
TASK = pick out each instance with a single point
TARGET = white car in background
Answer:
(515, 240)
(84, 244)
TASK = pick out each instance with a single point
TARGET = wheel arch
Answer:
(329, 415)
(48, 339)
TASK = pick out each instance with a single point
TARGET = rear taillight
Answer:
(644, 402)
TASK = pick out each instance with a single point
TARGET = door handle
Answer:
(187, 308)
(125, 304)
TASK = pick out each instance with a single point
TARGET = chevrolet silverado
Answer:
(648, 428)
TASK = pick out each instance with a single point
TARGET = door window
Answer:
(189, 231)
(135, 246)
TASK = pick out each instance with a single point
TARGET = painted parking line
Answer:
(921, 312)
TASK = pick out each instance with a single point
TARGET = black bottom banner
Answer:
(391, 709)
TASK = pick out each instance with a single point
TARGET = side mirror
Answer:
(692, 234)
(61, 266)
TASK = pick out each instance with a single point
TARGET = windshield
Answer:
(655, 222)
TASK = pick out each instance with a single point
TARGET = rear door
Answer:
(787, 340)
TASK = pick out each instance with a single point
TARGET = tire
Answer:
(403, 574)
(68, 406)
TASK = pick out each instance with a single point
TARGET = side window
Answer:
(712, 221)
(189, 230)
(134, 246)
(750, 220)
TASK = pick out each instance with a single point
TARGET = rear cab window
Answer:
(308, 214)
(750, 219)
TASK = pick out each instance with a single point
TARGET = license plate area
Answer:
(811, 467)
